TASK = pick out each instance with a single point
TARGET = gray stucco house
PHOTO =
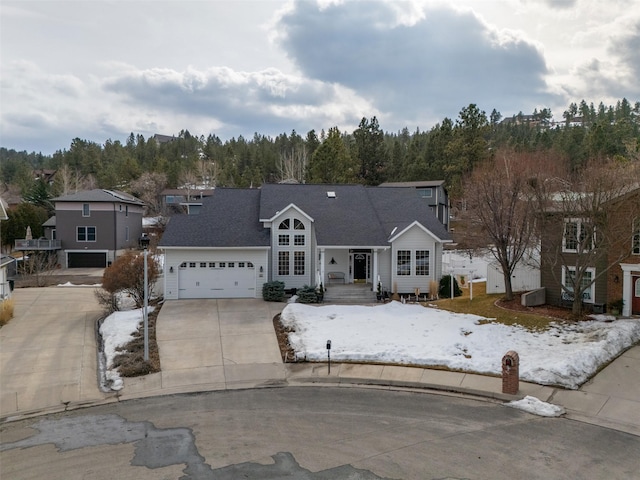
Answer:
(91, 228)
(302, 235)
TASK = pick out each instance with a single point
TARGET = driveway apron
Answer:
(218, 344)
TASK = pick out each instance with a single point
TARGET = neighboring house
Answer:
(7, 263)
(613, 270)
(435, 195)
(302, 235)
(178, 200)
(90, 228)
(46, 175)
(7, 272)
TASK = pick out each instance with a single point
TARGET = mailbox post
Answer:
(329, 356)
(511, 373)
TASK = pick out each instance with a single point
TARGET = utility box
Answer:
(511, 373)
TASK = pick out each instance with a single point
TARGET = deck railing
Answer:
(37, 244)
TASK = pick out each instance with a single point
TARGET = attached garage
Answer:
(217, 279)
(87, 259)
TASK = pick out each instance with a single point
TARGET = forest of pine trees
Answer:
(368, 155)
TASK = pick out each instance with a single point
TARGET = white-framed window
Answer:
(86, 211)
(298, 263)
(297, 224)
(635, 239)
(299, 240)
(284, 225)
(586, 282)
(86, 234)
(403, 266)
(283, 240)
(283, 263)
(422, 262)
(577, 235)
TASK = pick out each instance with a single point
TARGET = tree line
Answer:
(449, 151)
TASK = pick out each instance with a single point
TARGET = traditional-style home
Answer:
(608, 263)
(302, 235)
(90, 228)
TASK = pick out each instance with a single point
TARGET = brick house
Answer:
(607, 265)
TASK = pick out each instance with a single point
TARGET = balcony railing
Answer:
(37, 244)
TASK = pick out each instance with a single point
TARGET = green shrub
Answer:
(445, 287)
(307, 294)
(273, 291)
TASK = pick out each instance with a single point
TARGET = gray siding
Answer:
(415, 239)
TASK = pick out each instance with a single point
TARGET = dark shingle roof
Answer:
(99, 195)
(356, 216)
(229, 218)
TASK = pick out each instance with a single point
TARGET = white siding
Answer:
(384, 269)
(174, 257)
(341, 258)
(291, 280)
(414, 239)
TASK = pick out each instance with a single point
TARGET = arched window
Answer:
(298, 225)
(284, 225)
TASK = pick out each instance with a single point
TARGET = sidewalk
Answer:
(208, 345)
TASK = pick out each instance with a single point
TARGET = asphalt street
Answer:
(312, 433)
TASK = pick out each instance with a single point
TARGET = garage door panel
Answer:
(87, 259)
(196, 281)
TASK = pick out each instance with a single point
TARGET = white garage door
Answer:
(217, 280)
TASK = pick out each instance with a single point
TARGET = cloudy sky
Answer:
(99, 69)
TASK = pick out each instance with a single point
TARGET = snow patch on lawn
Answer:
(566, 354)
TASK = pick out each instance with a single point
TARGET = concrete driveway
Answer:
(211, 345)
(48, 350)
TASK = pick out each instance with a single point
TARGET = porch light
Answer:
(333, 261)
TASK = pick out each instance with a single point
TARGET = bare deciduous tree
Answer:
(292, 164)
(500, 201)
(148, 188)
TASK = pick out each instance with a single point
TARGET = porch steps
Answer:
(349, 294)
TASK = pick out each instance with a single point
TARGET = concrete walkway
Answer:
(48, 361)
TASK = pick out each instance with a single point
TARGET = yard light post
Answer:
(144, 243)
(329, 356)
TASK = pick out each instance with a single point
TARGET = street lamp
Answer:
(144, 243)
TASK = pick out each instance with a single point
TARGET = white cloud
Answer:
(232, 68)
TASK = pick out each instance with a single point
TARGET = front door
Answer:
(635, 295)
(361, 267)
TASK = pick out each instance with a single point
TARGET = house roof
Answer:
(424, 183)
(355, 216)
(227, 219)
(51, 222)
(99, 195)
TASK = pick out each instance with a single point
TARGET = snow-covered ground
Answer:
(566, 354)
(117, 330)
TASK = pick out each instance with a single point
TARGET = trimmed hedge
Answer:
(273, 291)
